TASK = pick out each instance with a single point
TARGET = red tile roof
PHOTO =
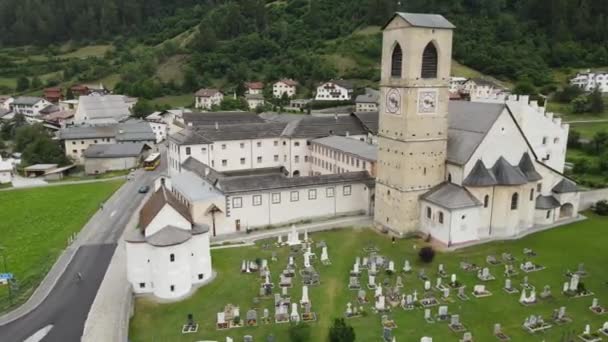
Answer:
(254, 85)
(156, 203)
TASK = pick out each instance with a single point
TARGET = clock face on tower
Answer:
(393, 101)
(427, 101)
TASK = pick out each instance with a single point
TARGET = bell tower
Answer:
(413, 126)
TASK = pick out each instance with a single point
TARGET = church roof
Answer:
(169, 236)
(565, 186)
(156, 203)
(480, 176)
(424, 20)
(468, 124)
(507, 174)
(527, 167)
(546, 202)
(451, 196)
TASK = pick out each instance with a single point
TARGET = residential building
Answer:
(590, 80)
(220, 118)
(335, 90)
(102, 158)
(456, 84)
(336, 154)
(254, 88)
(77, 139)
(172, 118)
(50, 109)
(367, 102)
(5, 101)
(29, 105)
(53, 94)
(79, 90)
(94, 109)
(168, 254)
(68, 104)
(61, 119)
(300, 104)
(440, 172)
(284, 86)
(254, 100)
(207, 98)
(481, 88)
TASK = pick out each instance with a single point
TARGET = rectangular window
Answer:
(212, 163)
(242, 145)
(312, 194)
(73, 143)
(224, 162)
(329, 192)
(357, 162)
(363, 165)
(259, 144)
(200, 276)
(259, 160)
(276, 143)
(257, 200)
(296, 159)
(142, 285)
(346, 190)
(295, 196)
(242, 161)
(539, 187)
(74, 151)
(237, 202)
(296, 144)
(172, 288)
(306, 159)
(204, 150)
(276, 157)
(276, 198)
(188, 151)
(223, 146)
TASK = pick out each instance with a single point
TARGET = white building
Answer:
(457, 83)
(233, 202)
(6, 101)
(481, 88)
(102, 158)
(284, 86)
(589, 80)
(68, 104)
(336, 154)
(207, 98)
(97, 109)
(29, 105)
(6, 171)
(367, 102)
(168, 255)
(254, 100)
(335, 90)
(254, 88)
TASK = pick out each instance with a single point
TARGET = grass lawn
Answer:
(172, 69)
(36, 223)
(558, 249)
(87, 51)
(564, 110)
(589, 129)
(175, 100)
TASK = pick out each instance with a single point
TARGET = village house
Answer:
(367, 102)
(481, 88)
(6, 101)
(94, 109)
(254, 88)
(207, 98)
(284, 86)
(102, 158)
(77, 139)
(29, 105)
(456, 84)
(68, 104)
(336, 154)
(172, 119)
(53, 94)
(590, 80)
(254, 100)
(169, 253)
(88, 89)
(61, 118)
(335, 90)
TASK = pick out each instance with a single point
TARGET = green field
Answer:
(589, 129)
(35, 225)
(558, 249)
(174, 101)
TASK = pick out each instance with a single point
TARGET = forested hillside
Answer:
(227, 41)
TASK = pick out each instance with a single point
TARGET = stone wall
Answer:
(588, 198)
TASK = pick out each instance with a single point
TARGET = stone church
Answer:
(459, 171)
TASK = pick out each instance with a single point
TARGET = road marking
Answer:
(40, 334)
(113, 213)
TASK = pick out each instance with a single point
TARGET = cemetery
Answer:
(386, 292)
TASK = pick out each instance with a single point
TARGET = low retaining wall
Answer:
(589, 198)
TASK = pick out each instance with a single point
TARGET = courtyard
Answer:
(559, 250)
(35, 225)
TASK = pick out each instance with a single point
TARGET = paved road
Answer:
(67, 305)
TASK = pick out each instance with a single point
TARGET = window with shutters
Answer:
(429, 62)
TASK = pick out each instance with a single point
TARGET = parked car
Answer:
(144, 189)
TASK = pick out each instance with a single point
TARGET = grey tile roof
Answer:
(87, 132)
(348, 145)
(469, 122)
(565, 186)
(114, 150)
(507, 174)
(451, 196)
(480, 176)
(547, 202)
(103, 107)
(169, 236)
(222, 118)
(367, 98)
(527, 167)
(318, 127)
(128, 131)
(27, 100)
(426, 20)
(369, 120)
(238, 131)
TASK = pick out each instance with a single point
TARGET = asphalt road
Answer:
(68, 304)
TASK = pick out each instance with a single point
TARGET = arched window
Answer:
(531, 194)
(429, 62)
(441, 217)
(514, 200)
(486, 201)
(396, 61)
(428, 212)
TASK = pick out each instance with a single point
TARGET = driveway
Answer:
(22, 182)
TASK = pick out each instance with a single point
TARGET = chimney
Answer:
(217, 126)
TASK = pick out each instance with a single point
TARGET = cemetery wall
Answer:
(588, 198)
